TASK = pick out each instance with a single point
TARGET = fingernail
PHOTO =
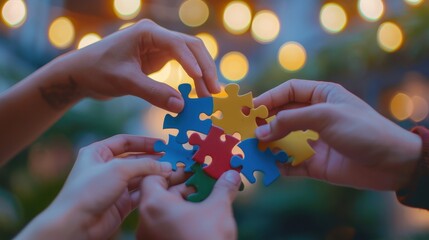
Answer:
(166, 167)
(175, 104)
(233, 177)
(198, 71)
(263, 131)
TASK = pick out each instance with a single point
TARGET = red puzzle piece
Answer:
(220, 151)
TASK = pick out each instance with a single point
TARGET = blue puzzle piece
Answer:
(189, 117)
(174, 153)
(256, 160)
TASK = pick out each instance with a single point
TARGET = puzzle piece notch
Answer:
(202, 183)
(174, 153)
(189, 118)
(220, 151)
(256, 160)
(295, 144)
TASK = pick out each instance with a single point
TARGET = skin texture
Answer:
(164, 214)
(100, 191)
(358, 147)
(116, 66)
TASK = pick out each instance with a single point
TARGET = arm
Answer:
(116, 66)
(358, 147)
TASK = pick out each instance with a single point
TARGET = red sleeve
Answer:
(416, 194)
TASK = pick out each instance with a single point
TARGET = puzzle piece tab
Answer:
(189, 117)
(202, 182)
(174, 153)
(233, 119)
(219, 151)
(295, 144)
(256, 160)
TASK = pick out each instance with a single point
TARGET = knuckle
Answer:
(147, 23)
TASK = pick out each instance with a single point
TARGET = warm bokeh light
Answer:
(390, 37)
(127, 9)
(210, 43)
(414, 2)
(265, 26)
(194, 13)
(371, 10)
(234, 66)
(171, 73)
(237, 17)
(61, 33)
(292, 56)
(14, 13)
(333, 18)
(420, 109)
(88, 39)
(125, 25)
(401, 106)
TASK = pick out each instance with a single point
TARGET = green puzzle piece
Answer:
(202, 182)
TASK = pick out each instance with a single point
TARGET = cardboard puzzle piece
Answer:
(189, 118)
(233, 119)
(174, 153)
(213, 146)
(295, 144)
(256, 160)
(202, 183)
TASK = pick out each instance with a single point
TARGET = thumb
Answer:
(157, 93)
(315, 117)
(226, 187)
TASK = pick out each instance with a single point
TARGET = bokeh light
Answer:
(88, 39)
(127, 9)
(210, 43)
(14, 13)
(61, 33)
(171, 73)
(414, 2)
(265, 26)
(371, 10)
(125, 25)
(420, 109)
(194, 13)
(292, 56)
(333, 18)
(390, 37)
(401, 106)
(234, 66)
(237, 17)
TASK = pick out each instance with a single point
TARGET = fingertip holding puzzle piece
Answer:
(219, 141)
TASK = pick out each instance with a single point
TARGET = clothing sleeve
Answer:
(416, 194)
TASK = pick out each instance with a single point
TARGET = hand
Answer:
(164, 214)
(358, 146)
(100, 191)
(119, 64)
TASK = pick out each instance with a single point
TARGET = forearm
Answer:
(34, 104)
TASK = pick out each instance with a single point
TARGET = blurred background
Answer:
(377, 49)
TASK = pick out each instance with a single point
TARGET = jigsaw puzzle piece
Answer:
(295, 144)
(256, 160)
(213, 146)
(174, 153)
(202, 183)
(189, 118)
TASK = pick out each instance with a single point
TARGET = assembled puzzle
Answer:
(220, 140)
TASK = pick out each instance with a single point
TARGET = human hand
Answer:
(119, 64)
(164, 214)
(358, 146)
(100, 191)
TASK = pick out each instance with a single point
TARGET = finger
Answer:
(134, 184)
(226, 188)
(153, 186)
(294, 91)
(209, 83)
(135, 199)
(133, 168)
(157, 93)
(178, 177)
(123, 143)
(314, 117)
(181, 190)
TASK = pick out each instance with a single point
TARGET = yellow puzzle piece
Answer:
(233, 119)
(295, 144)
